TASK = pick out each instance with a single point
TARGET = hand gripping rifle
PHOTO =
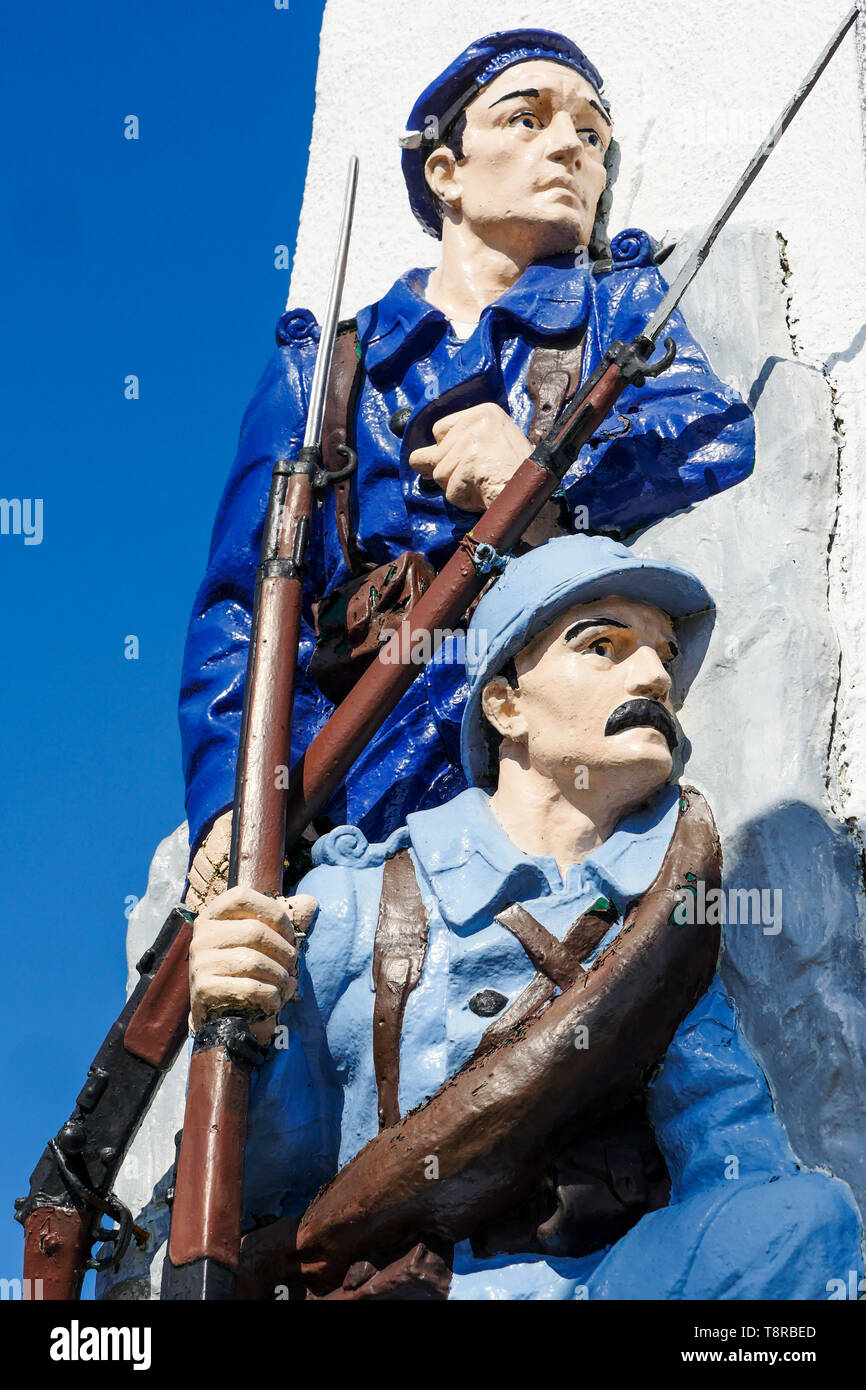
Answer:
(71, 1185)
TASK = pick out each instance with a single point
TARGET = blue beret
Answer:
(441, 103)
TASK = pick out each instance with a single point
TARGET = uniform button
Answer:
(399, 420)
(488, 1002)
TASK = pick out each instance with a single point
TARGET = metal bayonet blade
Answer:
(327, 337)
(759, 159)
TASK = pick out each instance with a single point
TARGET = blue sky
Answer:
(152, 257)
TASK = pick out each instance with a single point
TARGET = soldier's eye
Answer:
(527, 119)
(591, 138)
(601, 647)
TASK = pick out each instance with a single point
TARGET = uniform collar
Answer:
(475, 869)
(401, 325)
(550, 299)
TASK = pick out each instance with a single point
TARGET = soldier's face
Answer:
(594, 693)
(533, 166)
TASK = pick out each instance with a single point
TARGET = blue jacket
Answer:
(681, 438)
(744, 1221)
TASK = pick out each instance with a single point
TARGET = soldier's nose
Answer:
(564, 139)
(647, 677)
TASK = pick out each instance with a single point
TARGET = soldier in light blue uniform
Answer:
(743, 1220)
(681, 438)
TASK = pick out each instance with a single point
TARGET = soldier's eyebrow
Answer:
(601, 111)
(527, 92)
(534, 92)
(592, 622)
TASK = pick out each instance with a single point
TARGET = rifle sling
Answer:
(338, 431)
(398, 958)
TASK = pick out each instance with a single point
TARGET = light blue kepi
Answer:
(532, 592)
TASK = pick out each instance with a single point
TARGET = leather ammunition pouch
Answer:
(356, 618)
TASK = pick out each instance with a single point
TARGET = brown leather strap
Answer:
(553, 958)
(344, 387)
(554, 376)
(558, 963)
(398, 958)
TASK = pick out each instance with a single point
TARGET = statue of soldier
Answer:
(441, 389)
(483, 999)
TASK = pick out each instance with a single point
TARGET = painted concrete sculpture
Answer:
(503, 1048)
(444, 384)
(482, 1116)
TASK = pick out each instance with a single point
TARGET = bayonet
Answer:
(744, 182)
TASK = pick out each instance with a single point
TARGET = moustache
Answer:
(643, 714)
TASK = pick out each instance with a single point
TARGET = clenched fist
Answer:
(477, 451)
(243, 958)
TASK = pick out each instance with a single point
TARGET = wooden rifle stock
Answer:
(70, 1188)
(204, 1246)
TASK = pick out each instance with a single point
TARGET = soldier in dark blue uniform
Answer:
(508, 161)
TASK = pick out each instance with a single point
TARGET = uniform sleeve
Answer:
(710, 1105)
(215, 657)
(299, 1110)
(679, 439)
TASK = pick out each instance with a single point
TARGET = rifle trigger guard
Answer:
(112, 1206)
(656, 368)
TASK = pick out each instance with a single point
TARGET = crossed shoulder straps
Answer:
(400, 948)
(401, 943)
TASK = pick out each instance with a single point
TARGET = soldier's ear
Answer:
(440, 171)
(501, 705)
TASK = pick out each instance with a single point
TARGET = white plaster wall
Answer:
(776, 717)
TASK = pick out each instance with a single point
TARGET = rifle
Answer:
(205, 1241)
(71, 1185)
